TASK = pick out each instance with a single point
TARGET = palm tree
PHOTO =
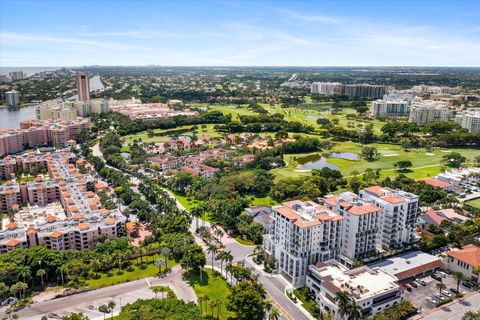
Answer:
(355, 311)
(213, 304)
(24, 272)
(274, 314)
(200, 301)
(206, 299)
(103, 309)
(343, 301)
(459, 277)
(41, 273)
(228, 259)
(111, 305)
(213, 250)
(22, 287)
(440, 286)
(156, 290)
(197, 213)
(471, 315)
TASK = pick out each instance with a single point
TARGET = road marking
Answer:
(148, 282)
(277, 305)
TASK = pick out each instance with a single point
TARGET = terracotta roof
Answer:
(110, 220)
(41, 187)
(31, 230)
(51, 218)
(104, 211)
(392, 199)
(9, 191)
(83, 226)
(56, 234)
(469, 254)
(376, 190)
(365, 209)
(12, 225)
(306, 224)
(287, 213)
(77, 216)
(13, 243)
(432, 214)
(420, 269)
(436, 183)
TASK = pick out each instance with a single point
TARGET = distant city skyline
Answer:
(240, 33)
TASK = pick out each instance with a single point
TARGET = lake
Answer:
(314, 161)
(10, 118)
(345, 155)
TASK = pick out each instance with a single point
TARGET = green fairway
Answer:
(425, 163)
(215, 288)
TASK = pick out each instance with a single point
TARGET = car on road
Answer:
(420, 281)
(432, 300)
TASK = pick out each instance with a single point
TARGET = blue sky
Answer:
(240, 33)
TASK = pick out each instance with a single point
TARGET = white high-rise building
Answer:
(13, 98)
(361, 232)
(326, 88)
(389, 108)
(302, 233)
(400, 211)
(469, 119)
(427, 111)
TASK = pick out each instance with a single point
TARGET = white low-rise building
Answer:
(302, 233)
(373, 290)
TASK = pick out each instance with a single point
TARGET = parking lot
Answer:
(418, 296)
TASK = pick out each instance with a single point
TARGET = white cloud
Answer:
(311, 18)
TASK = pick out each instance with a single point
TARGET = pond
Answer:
(345, 155)
(188, 138)
(314, 161)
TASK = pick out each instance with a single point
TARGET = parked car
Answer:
(436, 277)
(432, 300)
(439, 296)
(9, 301)
(413, 284)
(453, 290)
(407, 287)
(420, 281)
(467, 285)
(447, 294)
(442, 274)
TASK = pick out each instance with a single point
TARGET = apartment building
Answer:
(389, 108)
(35, 133)
(352, 90)
(59, 212)
(469, 119)
(426, 111)
(8, 166)
(302, 233)
(13, 98)
(400, 211)
(436, 89)
(361, 225)
(373, 290)
(326, 88)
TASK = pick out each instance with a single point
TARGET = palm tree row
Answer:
(347, 307)
(217, 303)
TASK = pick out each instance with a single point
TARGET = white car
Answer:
(447, 293)
(432, 300)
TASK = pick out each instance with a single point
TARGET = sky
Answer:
(240, 33)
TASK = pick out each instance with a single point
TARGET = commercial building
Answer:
(68, 110)
(465, 260)
(389, 108)
(12, 98)
(361, 233)
(83, 86)
(373, 290)
(400, 211)
(34, 133)
(469, 119)
(409, 266)
(302, 233)
(149, 111)
(426, 111)
(58, 212)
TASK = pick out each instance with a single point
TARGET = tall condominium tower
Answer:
(83, 86)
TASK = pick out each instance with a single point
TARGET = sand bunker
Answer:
(390, 155)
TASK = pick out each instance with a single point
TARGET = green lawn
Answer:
(136, 273)
(474, 203)
(266, 201)
(213, 286)
(244, 242)
(235, 111)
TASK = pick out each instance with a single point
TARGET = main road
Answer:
(456, 310)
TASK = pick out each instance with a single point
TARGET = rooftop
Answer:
(469, 254)
(402, 265)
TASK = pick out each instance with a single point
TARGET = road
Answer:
(274, 286)
(455, 311)
(88, 302)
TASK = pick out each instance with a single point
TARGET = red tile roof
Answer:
(436, 183)
(469, 254)
(56, 234)
(365, 209)
(376, 190)
(392, 199)
(420, 269)
(13, 243)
